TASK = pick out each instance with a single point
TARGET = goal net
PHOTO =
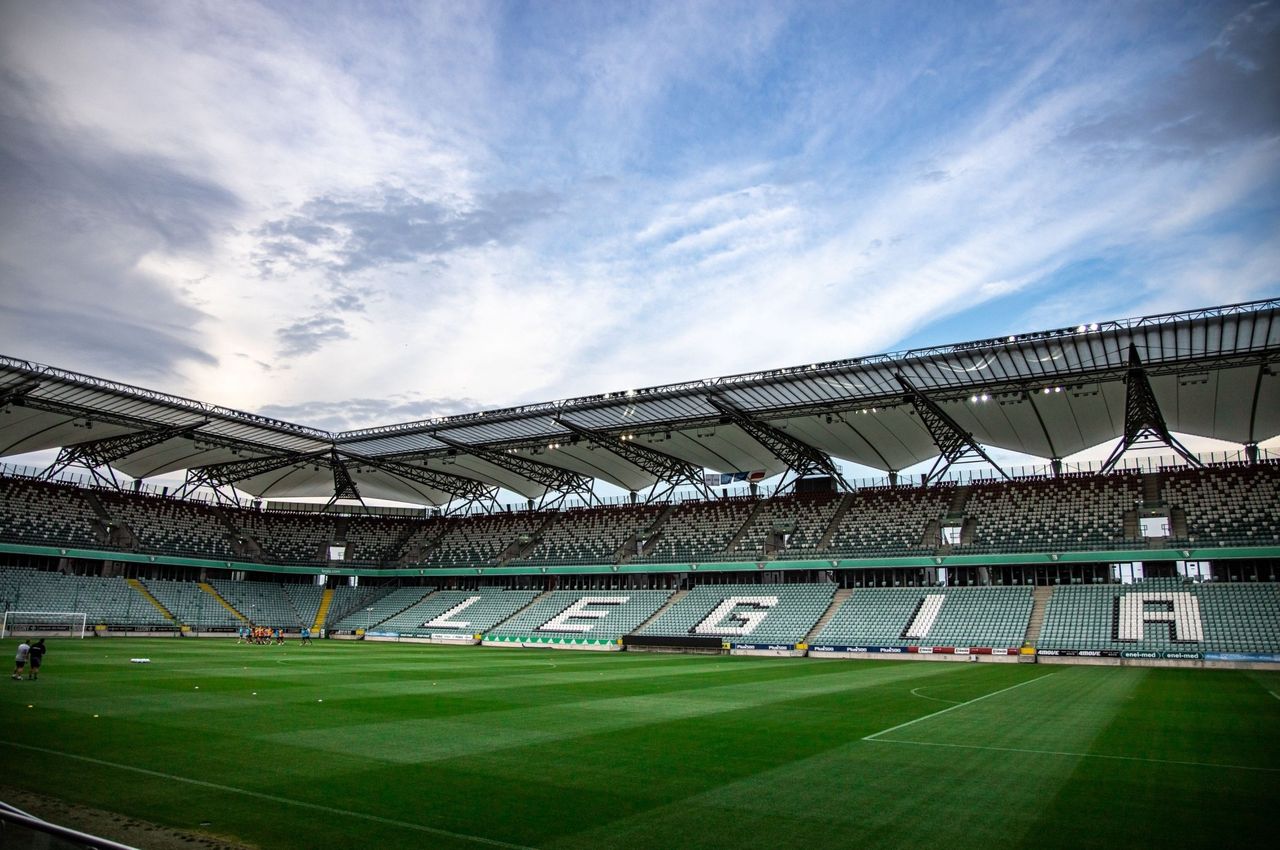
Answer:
(42, 623)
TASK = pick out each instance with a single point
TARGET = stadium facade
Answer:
(1168, 561)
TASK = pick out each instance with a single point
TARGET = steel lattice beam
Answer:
(17, 393)
(468, 489)
(96, 454)
(955, 445)
(219, 475)
(88, 414)
(802, 459)
(1144, 424)
(344, 486)
(667, 469)
(563, 481)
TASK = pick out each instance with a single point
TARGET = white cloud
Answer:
(649, 261)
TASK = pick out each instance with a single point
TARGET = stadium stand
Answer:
(104, 601)
(698, 531)
(483, 540)
(1213, 506)
(348, 600)
(288, 538)
(268, 604)
(419, 539)
(170, 526)
(955, 616)
(604, 619)
(376, 540)
(759, 613)
(458, 612)
(191, 605)
(1227, 505)
(39, 512)
(789, 525)
(1066, 513)
(887, 520)
(1164, 615)
(591, 535)
(383, 607)
(305, 599)
(1063, 555)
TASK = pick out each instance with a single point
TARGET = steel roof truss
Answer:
(802, 459)
(17, 393)
(221, 477)
(344, 486)
(955, 445)
(1144, 423)
(669, 470)
(78, 411)
(469, 490)
(561, 481)
(96, 454)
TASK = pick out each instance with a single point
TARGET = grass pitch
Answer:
(385, 746)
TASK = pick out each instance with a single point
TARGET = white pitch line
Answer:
(875, 735)
(1274, 694)
(1078, 755)
(935, 699)
(462, 836)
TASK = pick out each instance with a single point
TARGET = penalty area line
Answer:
(1079, 755)
(874, 735)
(302, 804)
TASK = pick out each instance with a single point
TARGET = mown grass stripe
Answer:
(1075, 755)
(417, 827)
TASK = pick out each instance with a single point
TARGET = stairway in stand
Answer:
(146, 594)
(1040, 599)
(841, 595)
(209, 589)
(326, 599)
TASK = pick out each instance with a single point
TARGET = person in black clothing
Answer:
(36, 656)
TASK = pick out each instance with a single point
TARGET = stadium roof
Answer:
(1211, 372)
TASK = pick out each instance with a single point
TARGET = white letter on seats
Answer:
(1185, 615)
(443, 621)
(739, 622)
(578, 610)
(923, 620)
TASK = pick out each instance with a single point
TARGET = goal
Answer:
(69, 623)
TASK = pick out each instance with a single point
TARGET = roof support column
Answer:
(96, 454)
(802, 459)
(1144, 424)
(221, 477)
(564, 482)
(467, 491)
(669, 470)
(344, 486)
(955, 445)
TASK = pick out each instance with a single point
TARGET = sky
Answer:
(351, 214)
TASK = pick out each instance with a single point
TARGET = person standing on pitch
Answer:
(36, 653)
(20, 660)
(306, 636)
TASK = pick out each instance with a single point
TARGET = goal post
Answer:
(70, 623)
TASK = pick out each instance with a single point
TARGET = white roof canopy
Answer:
(1050, 394)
